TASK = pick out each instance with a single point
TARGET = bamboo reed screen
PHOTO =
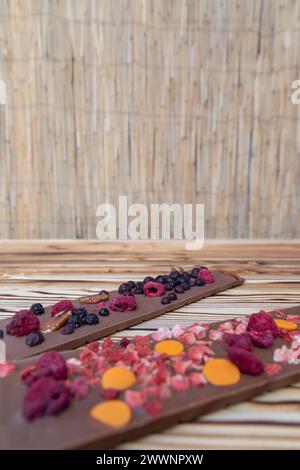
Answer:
(161, 100)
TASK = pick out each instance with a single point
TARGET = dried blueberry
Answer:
(174, 274)
(103, 292)
(159, 279)
(169, 285)
(34, 338)
(37, 309)
(148, 279)
(186, 276)
(180, 278)
(103, 312)
(199, 282)
(179, 289)
(80, 314)
(138, 291)
(172, 296)
(192, 281)
(165, 300)
(1, 334)
(68, 329)
(194, 272)
(91, 319)
(186, 285)
(131, 284)
(123, 288)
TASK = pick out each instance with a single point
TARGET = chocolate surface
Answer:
(74, 429)
(147, 308)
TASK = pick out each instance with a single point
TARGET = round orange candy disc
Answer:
(171, 347)
(118, 378)
(286, 325)
(221, 372)
(113, 413)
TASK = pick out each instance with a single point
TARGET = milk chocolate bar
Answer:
(99, 315)
(105, 394)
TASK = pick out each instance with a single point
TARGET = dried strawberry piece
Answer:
(123, 303)
(79, 388)
(62, 306)
(246, 361)
(46, 396)
(114, 355)
(135, 398)
(153, 408)
(54, 362)
(6, 368)
(272, 369)
(154, 289)
(206, 276)
(179, 383)
(242, 341)
(197, 379)
(22, 323)
(109, 393)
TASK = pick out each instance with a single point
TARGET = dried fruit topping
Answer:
(246, 361)
(109, 393)
(153, 408)
(242, 341)
(67, 329)
(154, 289)
(103, 312)
(123, 303)
(54, 362)
(37, 309)
(262, 329)
(34, 338)
(61, 306)
(124, 343)
(91, 319)
(6, 368)
(57, 322)
(206, 276)
(22, 323)
(46, 396)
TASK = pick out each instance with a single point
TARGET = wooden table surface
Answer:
(50, 270)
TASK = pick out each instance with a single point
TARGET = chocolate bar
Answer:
(44, 327)
(105, 394)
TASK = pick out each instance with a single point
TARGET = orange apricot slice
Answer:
(113, 413)
(171, 347)
(286, 325)
(221, 372)
(118, 378)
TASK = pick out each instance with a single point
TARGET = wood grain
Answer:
(169, 101)
(54, 269)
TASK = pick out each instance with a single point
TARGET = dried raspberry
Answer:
(25, 373)
(153, 408)
(124, 343)
(242, 341)
(246, 361)
(46, 396)
(109, 393)
(54, 362)
(22, 323)
(62, 306)
(36, 374)
(262, 339)
(262, 322)
(206, 276)
(123, 303)
(154, 289)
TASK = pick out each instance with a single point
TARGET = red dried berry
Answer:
(154, 289)
(46, 396)
(206, 276)
(62, 306)
(109, 393)
(153, 408)
(123, 303)
(242, 341)
(262, 322)
(124, 343)
(35, 375)
(246, 361)
(22, 323)
(54, 362)
(263, 339)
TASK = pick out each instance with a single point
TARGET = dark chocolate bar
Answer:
(178, 382)
(147, 308)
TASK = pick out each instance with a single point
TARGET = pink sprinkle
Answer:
(179, 383)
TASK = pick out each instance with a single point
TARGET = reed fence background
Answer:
(161, 100)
